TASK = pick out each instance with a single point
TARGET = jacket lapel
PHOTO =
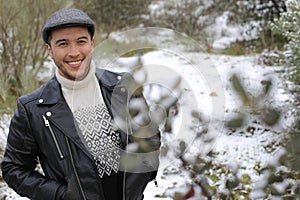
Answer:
(62, 117)
(59, 113)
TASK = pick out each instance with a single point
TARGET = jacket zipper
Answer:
(125, 170)
(47, 124)
(129, 131)
(73, 165)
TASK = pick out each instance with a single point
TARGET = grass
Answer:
(240, 48)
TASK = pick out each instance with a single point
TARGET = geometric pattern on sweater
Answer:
(101, 138)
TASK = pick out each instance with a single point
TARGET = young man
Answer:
(68, 125)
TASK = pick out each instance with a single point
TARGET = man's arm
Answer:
(20, 160)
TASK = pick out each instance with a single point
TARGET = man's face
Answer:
(71, 49)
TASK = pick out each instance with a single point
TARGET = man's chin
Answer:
(80, 76)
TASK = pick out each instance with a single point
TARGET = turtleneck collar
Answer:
(75, 85)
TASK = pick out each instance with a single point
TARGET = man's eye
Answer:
(62, 44)
(81, 42)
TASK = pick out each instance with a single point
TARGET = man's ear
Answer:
(93, 41)
(48, 48)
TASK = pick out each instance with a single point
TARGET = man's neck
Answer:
(74, 85)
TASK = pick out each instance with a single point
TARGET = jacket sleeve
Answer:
(20, 161)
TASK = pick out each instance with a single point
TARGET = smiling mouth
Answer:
(76, 63)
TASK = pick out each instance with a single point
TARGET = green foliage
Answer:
(293, 152)
(236, 122)
(245, 179)
(219, 181)
(239, 88)
(236, 49)
(253, 106)
(248, 47)
(288, 25)
(257, 15)
(264, 11)
(216, 181)
(192, 17)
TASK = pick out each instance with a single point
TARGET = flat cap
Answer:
(67, 17)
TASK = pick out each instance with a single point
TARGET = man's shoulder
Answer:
(35, 95)
(108, 73)
(109, 78)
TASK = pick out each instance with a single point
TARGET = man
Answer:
(78, 125)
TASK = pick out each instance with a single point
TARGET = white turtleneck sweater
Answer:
(84, 93)
(94, 121)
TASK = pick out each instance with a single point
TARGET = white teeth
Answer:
(74, 62)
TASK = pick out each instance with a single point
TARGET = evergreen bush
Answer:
(288, 25)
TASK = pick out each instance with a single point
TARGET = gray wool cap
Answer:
(67, 17)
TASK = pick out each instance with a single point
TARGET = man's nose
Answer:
(74, 50)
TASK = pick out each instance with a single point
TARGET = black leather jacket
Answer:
(43, 128)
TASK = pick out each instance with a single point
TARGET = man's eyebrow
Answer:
(82, 37)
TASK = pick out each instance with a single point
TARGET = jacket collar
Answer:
(52, 92)
(107, 78)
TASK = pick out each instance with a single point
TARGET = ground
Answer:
(246, 148)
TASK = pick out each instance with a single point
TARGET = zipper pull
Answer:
(155, 182)
(46, 121)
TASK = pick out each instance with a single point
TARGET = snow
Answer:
(208, 90)
(240, 151)
(4, 121)
(226, 34)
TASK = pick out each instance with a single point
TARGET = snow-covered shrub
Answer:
(185, 16)
(251, 20)
(203, 177)
(115, 15)
(221, 24)
(288, 25)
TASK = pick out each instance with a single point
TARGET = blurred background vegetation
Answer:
(275, 22)
(22, 48)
